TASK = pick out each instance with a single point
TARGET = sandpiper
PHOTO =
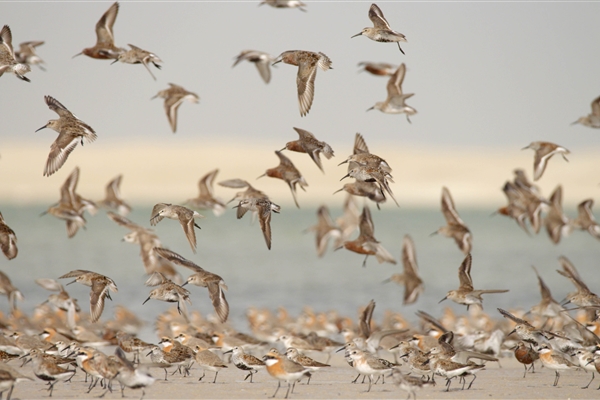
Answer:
(455, 228)
(27, 54)
(410, 384)
(100, 286)
(307, 62)
(395, 101)
(325, 229)
(8, 240)
(370, 365)
(130, 376)
(552, 360)
(105, 48)
(525, 330)
(585, 359)
(585, 219)
(168, 291)
(71, 130)
(131, 344)
(139, 56)
(379, 69)
(370, 190)
(381, 31)
(249, 193)
(517, 205)
(206, 199)
(543, 152)
(287, 172)
(113, 199)
(174, 96)
(556, 222)
(466, 294)
(592, 120)
(245, 362)
(366, 242)
(526, 355)
(213, 282)
(451, 369)
(261, 59)
(284, 4)
(207, 360)
(61, 300)
(310, 145)
(413, 284)
(313, 365)
(283, 369)
(8, 63)
(47, 370)
(548, 307)
(366, 173)
(263, 207)
(583, 296)
(183, 214)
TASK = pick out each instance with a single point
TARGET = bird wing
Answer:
(307, 72)
(177, 259)
(596, 107)
(464, 274)
(376, 16)
(217, 296)
(448, 208)
(104, 26)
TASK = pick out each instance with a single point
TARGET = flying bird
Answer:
(8, 63)
(174, 96)
(105, 48)
(395, 102)
(100, 285)
(381, 31)
(261, 59)
(139, 56)
(543, 152)
(184, 215)
(592, 120)
(309, 144)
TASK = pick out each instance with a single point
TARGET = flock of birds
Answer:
(442, 347)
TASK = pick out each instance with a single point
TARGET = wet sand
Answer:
(335, 382)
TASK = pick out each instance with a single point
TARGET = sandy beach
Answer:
(492, 383)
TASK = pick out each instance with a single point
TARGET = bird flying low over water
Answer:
(184, 215)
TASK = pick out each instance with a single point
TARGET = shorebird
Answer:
(466, 294)
(585, 219)
(130, 376)
(105, 48)
(455, 228)
(370, 190)
(381, 31)
(207, 360)
(184, 215)
(325, 229)
(71, 130)
(10, 291)
(8, 240)
(139, 56)
(370, 365)
(552, 360)
(100, 286)
(72, 201)
(543, 152)
(113, 199)
(174, 96)
(284, 4)
(8, 63)
(312, 365)
(249, 193)
(556, 222)
(526, 356)
(583, 296)
(395, 101)
(586, 361)
(516, 207)
(168, 291)
(366, 173)
(287, 172)
(245, 362)
(206, 199)
(27, 54)
(261, 59)
(283, 369)
(48, 371)
(450, 369)
(263, 207)
(410, 384)
(366, 243)
(413, 284)
(213, 282)
(9, 377)
(147, 240)
(592, 120)
(307, 62)
(379, 69)
(61, 300)
(548, 307)
(131, 344)
(310, 145)
(525, 330)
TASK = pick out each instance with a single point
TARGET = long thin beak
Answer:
(511, 332)
(341, 348)
(262, 175)
(145, 301)
(276, 62)
(434, 233)
(285, 148)
(372, 108)
(338, 191)
(228, 351)
(78, 54)
(37, 130)
(343, 162)
(148, 354)
(184, 283)
(118, 60)
(358, 34)
(345, 176)
(524, 148)
(197, 226)
(71, 282)
(575, 123)
(442, 299)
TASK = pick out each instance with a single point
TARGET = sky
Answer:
(487, 77)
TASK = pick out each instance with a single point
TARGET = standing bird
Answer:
(287, 172)
(139, 56)
(381, 31)
(261, 59)
(592, 120)
(100, 284)
(213, 282)
(310, 145)
(543, 152)
(283, 369)
(174, 96)
(526, 355)
(71, 130)
(307, 62)
(245, 362)
(413, 284)
(8, 63)
(553, 360)
(395, 101)
(105, 48)
(181, 213)
(206, 199)
(455, 228)
(113, 198)
(466, 294)
(263, 207)
(8, 240)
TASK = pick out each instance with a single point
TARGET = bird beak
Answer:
(358, 34)
(369, 109)
(71, 282)
(277, 61)
(442, 299)
(524, 148)
(434, 233)
(341, 348)
(147, 355)
(228, 351)
(37, 130)
(511, 332)
(262, 175)
(145, 301)
(78, 54)
(345, 176)
(116, 61)
(575, 123)
(184, 283)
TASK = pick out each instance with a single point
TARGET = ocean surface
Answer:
(290, 274)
